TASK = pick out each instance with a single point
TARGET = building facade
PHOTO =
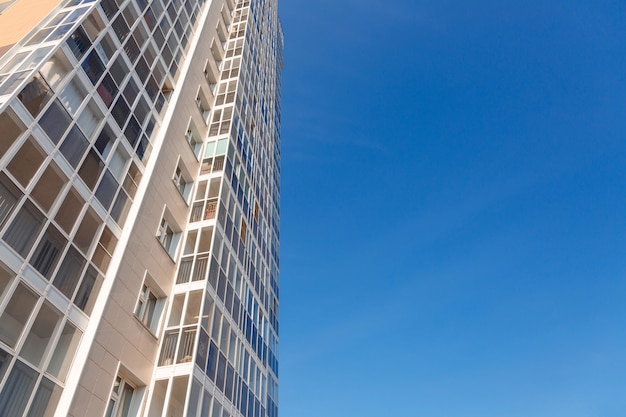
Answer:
(139, 207)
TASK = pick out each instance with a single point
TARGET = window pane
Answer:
(26, 162)
(93, 66)
(49, 186)
(71, 207)
(17, 390)
(55, 121)
(64, 352)
(11, 127)
(78, 43)
(158, 398)
(91, 169)
(178, 395)
(74, 146)
(16, 314)
(46, 399)
(106, 190)
(88, 290)
(69, 273)
(105, 141)
(125, 400)
(90, 118)
(35, 95)
(40, 334)
(9, 194)
(87, 231)
(22, 233)
(48, 250)
(120, 208)
(5, 358)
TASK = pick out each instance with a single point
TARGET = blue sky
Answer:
(453, 222)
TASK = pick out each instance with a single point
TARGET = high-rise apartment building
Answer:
(139, 207)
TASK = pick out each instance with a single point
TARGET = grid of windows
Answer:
(236, 198)
(80, 103)
(33, 367)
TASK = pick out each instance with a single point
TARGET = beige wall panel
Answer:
(20, 18)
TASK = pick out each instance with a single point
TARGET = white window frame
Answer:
(167, 235)
(117, 398)
(182, 181)
(150, 294)
(192, 137)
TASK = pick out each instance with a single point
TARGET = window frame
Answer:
(182, 181)
(168, 235)
(150, 318)
(118, 397)
(192, 136)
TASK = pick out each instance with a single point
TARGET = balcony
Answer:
(185, 346)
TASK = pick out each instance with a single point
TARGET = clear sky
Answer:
(453, 222)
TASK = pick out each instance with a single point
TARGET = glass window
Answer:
(177, 310)
(120, 27)
(118, 161)
(55, 121)
(120, 207)
(24, 229)
(11, 127)
(192, 314)
(90, 118)
(107, 90)
(40, 334)
(120, 111)
(17, 390)
(88, 291)
(106, 190)
(6, 275)
(149, 308)
(194, 142)
(74, 146)
(73, 95)
(46, 399)
(105, 141)
(79, 43)
(69, 273)
(35, 95)
(64, 352)
(108, 46)
(168, 347)
(48, 251)
(168, 238)
(16, 314)
(121, 398)
(93, 25)
(91, 169)
(9, 195)
(132, 131)
(182, 182)
(68, 213)
(119, 70)
(56, 69)
(141, 110)
(87, 231)
(26, 162)
(59, 32)
(93, 66)
(5, 359)
(49, 186)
